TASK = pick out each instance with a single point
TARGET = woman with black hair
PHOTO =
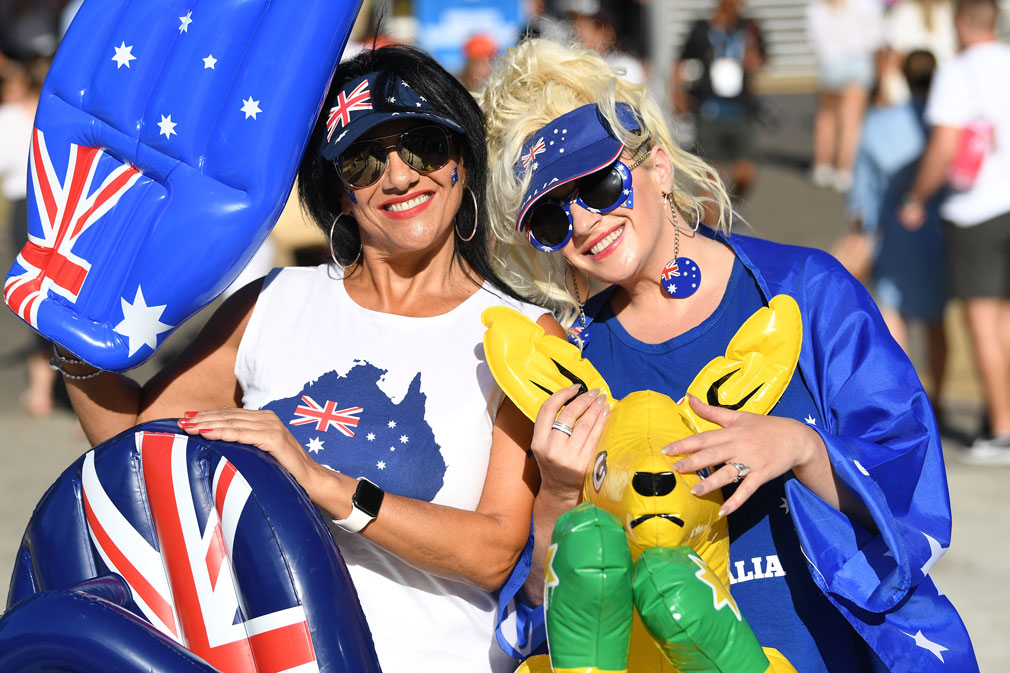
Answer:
(365, 377)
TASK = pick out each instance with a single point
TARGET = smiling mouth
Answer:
(407, 205)
(601, 245)
(669, 517)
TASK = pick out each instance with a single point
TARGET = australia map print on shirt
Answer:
(348, 424)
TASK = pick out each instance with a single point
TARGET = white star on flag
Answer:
(927, 644)
(141, 323)
(392, 448)
(936, 550)
(391, 424)
(315, 445)
(167, 126)
(123, 56)
(403, 439)
(251, 108)
(381, 465)
(208, 63)
(810, 420)
(370, 436)
(184, 22)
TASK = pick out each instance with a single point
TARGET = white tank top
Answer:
(408, 403)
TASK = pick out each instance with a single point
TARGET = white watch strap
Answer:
(357, 520)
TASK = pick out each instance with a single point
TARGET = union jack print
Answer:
(188, 590)
(66, 210)
(325, 416)
(538, 148)
(671, 270)
(340, 114)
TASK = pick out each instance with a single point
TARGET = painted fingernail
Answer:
(722, 512)
(190, 414)
(698, 488)
(204, 431)
(679, 466)
(594, 392)
(186, 424)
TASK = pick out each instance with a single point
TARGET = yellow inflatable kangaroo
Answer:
(636, 576)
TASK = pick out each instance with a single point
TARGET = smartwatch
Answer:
(365, 505)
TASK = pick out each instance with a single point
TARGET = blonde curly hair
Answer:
(534, 83)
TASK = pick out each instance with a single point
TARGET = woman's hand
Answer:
(564, 459)
(770, 446)
(258, 428)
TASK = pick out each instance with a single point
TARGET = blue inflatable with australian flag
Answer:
(166, 142)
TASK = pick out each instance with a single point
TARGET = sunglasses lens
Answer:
(549, 225)
(362, 164)
(425, 148)
(603, 189)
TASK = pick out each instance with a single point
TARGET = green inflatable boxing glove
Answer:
(587, 592)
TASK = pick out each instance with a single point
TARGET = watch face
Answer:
(368, 497)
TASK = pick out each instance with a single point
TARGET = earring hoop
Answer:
(333, 253)
(473, 233)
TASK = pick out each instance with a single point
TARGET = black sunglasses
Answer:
(423, 148)
(550, 221)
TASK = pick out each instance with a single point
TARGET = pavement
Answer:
(784, 206)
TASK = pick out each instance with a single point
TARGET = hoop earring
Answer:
(473, 233)
(681, 276)
(671, 206)
(578, 333)
(333, 254)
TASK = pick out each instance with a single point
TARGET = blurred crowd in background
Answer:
(710, 63)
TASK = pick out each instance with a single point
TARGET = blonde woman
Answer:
(837, 502)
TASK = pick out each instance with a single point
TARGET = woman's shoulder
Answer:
(490, 295)
(780, 262)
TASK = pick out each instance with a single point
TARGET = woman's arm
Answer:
(479, 547)
(201, 377)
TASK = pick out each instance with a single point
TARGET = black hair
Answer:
(918, 69)
(319, 187)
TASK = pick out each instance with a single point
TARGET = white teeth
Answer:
(407, 205)
(607, 240)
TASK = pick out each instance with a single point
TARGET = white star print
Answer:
(391, 99)
(417, 104)
(208, 63)
(141, 323)
(861, 468)
(927, 644)
(370, 436)
(167, 126)
(810, 420)
(672, 289)
(392, 448)
(403, 439)
(936, 550)
(391, 424)
(784, 505)
(381, 465)
(315, 445)
(123, 55)
(184, 22)
(251, 108)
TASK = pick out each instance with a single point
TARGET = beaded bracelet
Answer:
(57, 361)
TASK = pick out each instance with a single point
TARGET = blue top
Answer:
(769, 576)
(909, 274)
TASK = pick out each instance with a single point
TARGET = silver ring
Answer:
(558, 425)
(742, 471)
